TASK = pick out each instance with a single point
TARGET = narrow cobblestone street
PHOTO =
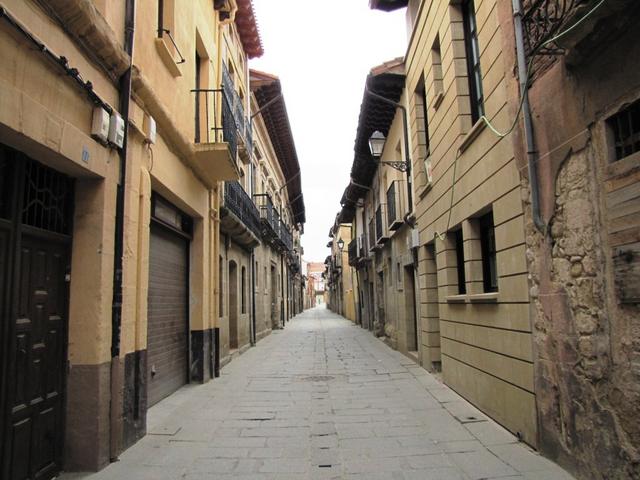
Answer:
(324, 399)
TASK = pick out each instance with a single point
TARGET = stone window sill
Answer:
(457, 298)
(491, 297)
(424, 189)
(472, 134)
(438, 100)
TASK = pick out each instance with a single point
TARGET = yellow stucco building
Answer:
(125, 128)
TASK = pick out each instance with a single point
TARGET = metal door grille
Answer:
(48, 199)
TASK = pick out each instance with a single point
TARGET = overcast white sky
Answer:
(322, 52)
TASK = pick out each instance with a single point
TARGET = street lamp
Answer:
(376, 143)
(376, 146)
(341, 244)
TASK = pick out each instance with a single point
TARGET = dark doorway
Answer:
(274, 298)
(233, 305)
(35, 238)
(410, 309)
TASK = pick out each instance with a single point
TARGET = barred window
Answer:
(625, 127)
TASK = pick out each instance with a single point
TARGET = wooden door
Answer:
(34, 258)
(37, 355)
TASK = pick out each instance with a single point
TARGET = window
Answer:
(198, 87)
(436, 66)
(488, 245)
(244, 290)
(462, 282)
(422, 118)
(399, 275)
(476, 96)
(389, 272)
(166, 10)
(625, 129)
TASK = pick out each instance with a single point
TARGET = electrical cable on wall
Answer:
(529, 69)
(520, 104)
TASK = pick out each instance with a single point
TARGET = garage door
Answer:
(167, 341)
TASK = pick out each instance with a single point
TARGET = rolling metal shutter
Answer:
(167, 342)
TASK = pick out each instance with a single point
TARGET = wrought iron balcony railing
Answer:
(243, 123)
(286, 236)
(214, 120)
(372, 235)
(395, 205)
(268, 215)
(381, 224)
(545, 18)
(237, 201)
(353, 252)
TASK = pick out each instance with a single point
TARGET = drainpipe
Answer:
(116, 311)
(532, 154)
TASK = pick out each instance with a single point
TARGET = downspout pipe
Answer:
(405, 131)
(116, 309)
(532, 153)
(125, 96)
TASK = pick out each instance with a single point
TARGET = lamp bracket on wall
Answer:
(397, 165)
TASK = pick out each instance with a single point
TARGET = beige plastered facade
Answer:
(482, 341)
(48, 117)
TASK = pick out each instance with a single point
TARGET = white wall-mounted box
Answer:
(150, 129)
(100, 125)
(116, 130)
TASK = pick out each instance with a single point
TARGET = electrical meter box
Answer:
(150, 129)
(116, 130)
(100, 125)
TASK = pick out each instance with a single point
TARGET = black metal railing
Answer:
(243, 123)
(286, 237)
(391, 203)
(353, 252)
(394, 205)
(543, 19)
(237, 201)
(372, 234)
(268, 214)
(214, 118)
(381, 224)
(274, 229)
(161, 34)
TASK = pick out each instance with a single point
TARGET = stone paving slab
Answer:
(323, 399)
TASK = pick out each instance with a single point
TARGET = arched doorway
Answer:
(233, 305)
